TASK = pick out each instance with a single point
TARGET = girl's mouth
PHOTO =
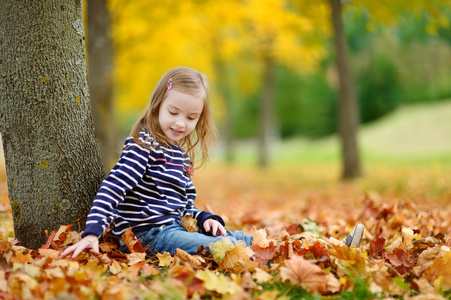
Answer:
(176, 132)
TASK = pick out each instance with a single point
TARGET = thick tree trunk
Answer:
(266, 113)
(348, 112)
(52, 159)
(100, 72)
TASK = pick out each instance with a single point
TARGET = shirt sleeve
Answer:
(124, 176)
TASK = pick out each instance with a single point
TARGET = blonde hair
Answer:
(201, 141)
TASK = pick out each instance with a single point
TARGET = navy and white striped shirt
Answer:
(146, 188)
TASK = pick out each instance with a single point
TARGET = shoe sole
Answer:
(358, 234)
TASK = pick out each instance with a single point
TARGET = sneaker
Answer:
(355, 237)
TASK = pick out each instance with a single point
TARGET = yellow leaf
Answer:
(218, 283)
(190, 223)
(165, 259)
(261, 276)
(260, 238)
(219, 248)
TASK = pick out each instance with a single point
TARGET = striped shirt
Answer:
(145, 189)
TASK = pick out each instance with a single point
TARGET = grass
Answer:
(418, 134)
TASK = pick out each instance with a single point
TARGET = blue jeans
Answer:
(169, 238)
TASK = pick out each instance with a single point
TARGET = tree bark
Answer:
(348, 112)
(100, 69)
(52, 159)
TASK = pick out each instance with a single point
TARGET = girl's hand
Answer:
(213, 226)
(89, 241)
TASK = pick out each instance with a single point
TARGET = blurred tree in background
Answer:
(398, 55)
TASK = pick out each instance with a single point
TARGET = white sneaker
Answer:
(355, 237)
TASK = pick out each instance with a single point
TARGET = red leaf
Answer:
(377, 247)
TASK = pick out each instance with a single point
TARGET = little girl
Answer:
(150, 187)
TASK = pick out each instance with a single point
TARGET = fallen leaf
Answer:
(218, 283)
(377, 248)
(219, 248)
(190, 223)
(264, 254)
(132, 243)
(135, 257)
(299, 271)
(165, 259)
(115, 267)
(261, 275)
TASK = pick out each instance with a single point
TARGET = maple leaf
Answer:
(301, 272)
(401, 259)
(261, 275)
(195, 261)
(49, 240)
(115, 267)
(238, 258)
(132, 243)
(218, 283)
(441, 269)
(264, 254)
(165, 259)
(108, 247)
(310, 226)
(377, 247)
(135, 257)
(349, 260)
(21, 255)
(53, 254)
(260, 238)
(318, 251)
(190, 223)
(219, 248)
(185, 273)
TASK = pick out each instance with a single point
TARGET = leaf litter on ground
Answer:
(405, 253)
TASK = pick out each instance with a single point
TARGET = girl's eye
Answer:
(172, 113)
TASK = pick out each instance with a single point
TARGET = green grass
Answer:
(416, 134)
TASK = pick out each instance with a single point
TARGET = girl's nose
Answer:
(180, 123)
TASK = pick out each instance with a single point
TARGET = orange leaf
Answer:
(53, 254)
(108, 247)
(49, 240)
(135, 257)
(301, 272)
(132, 243)
(264, 254)
(115, 267)
(195, 261)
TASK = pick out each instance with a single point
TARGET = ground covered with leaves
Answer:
(298, 215)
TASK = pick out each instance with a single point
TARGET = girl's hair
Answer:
(203, 138)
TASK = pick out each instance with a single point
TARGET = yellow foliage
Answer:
(150, 37)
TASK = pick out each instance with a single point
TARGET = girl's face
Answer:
(179, 114)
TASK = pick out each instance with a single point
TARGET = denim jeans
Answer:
(169, 238)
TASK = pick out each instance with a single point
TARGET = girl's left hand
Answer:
(213, 226)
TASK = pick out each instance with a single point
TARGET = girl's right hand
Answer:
(89, 241)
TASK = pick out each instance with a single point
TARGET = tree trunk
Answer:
(348, 113)
(224, 89)
(52, 159)
(100, 69)
(266, 113)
